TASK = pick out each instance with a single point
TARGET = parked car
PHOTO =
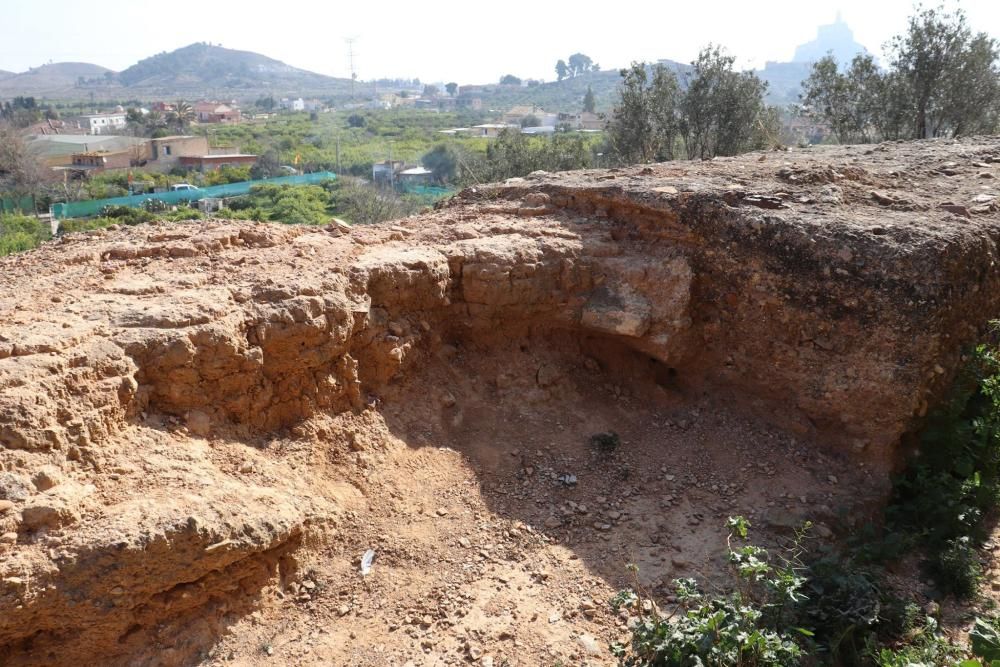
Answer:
(183, 186)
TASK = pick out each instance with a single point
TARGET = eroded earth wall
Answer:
(831, 290)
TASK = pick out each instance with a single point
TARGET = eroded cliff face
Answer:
(826, 292)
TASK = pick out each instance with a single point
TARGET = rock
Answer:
(48, 515)
(441, 511)
(6, 506)
(620, 311)
(589, 644)
(678, 562)
(199, 423)
(46, 478)
(956, 209)
(464, 542)
(883, 198)
(8, 538)
(474, 650)
(344, 610)
(486, 661)
(536, 199)
(15, 487)
(555, 617)
(547, 375)
(552, 522)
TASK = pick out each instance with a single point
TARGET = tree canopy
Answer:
(941, 80)
(719, 111)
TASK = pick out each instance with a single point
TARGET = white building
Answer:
(292, 105)
(102, 123)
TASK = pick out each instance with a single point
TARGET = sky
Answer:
(443, 40)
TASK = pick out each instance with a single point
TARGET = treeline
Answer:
(24, 111)
(510, 155)
(714, 110)
(941, 80)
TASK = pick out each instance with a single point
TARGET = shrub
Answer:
(21, 232)
(954, 479)
(127, 215)
(746, 627)
(182, 213)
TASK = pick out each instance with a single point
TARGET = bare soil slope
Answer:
(204, 426)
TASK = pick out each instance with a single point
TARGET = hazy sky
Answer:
(468, 42)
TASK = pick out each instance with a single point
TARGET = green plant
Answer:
(954, 479)
(127, 215)
(923, 647)
(745, 628)
(20, 232)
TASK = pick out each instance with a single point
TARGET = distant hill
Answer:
(55, 79)
(4, 74)
(204, 68)
(784, 84)
(835, 38)
(784, 81)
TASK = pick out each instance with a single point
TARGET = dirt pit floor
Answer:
(485, 552)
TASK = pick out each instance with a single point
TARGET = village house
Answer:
(215, 112)
(469, 102)
(102, 123)
(384, 173)
(491, 130)
(214, 162)
(517, 115)
(98, 161)
(584, 120)
(166, 152)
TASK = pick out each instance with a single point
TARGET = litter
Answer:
(366, 562)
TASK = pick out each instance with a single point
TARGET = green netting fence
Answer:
(92, 207)
(17, 205)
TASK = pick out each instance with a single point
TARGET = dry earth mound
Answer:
(204, 426)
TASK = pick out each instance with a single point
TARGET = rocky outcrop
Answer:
(779, 281)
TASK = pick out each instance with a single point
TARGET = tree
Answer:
(356, 120)
(20, 172)
(451, 88)
(588, 100)
(847, 101)
(430, 91)
(531, 120)
(579, 63)
(267, 165)
(953, 78)
(362, 203)
(562, 70)
(510, 80)
(721, 107)
(941, 81)
(442, 160)
(644, 123)
(181, 117)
